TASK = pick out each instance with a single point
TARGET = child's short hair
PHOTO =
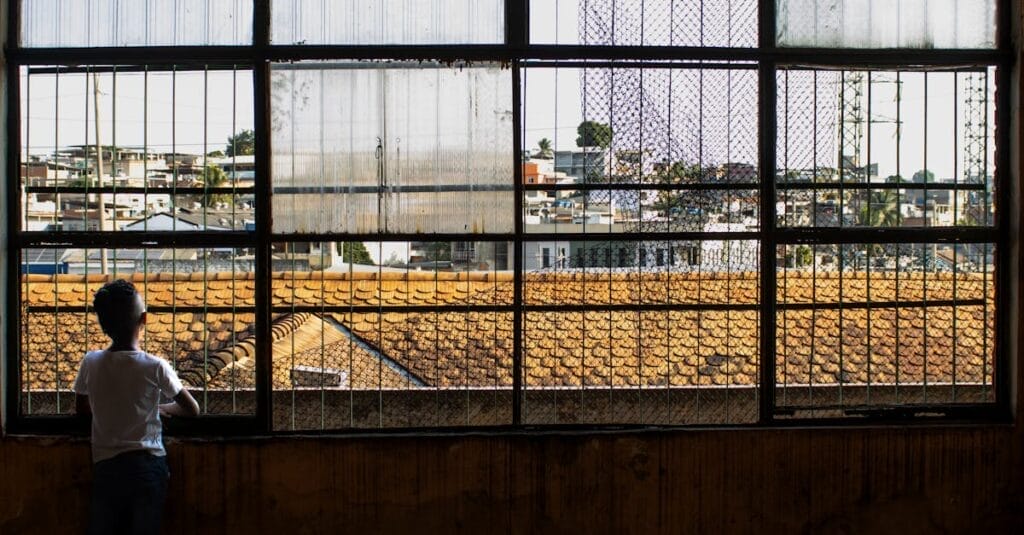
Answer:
(118, 307)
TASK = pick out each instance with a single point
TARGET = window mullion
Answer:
(262, 282)
(517, 277)
(767, 115)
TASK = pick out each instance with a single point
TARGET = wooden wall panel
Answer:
(897, 480)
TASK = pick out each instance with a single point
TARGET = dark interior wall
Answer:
(856, 480)
(893, 480)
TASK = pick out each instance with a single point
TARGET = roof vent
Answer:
(316, 377)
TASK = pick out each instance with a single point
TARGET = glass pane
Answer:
(887, 23)
(387, 22)
(391, 334)
(75, 23)
(418, 148)
(200, 317)
(885, 324)
(725, 23)
(886, 148)
(165, 139)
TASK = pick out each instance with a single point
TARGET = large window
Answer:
(458, 214)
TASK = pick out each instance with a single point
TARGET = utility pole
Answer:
(104, 268)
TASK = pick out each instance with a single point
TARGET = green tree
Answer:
(215, 154)
(215, 177)
(593, 134)
(355, 253)
(544, 151)
(798, 256)
(678, 172)
(881, 210)
(439, 251)
(241, 144)
(923, 176)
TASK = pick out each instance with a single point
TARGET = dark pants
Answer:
(128, 493)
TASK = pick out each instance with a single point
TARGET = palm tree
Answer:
(544, 151)
(881, 210)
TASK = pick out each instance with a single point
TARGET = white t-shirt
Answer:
(124, 390)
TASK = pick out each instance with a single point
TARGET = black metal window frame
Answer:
(517, 53)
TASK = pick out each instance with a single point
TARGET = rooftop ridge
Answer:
(243, 348)
(489, 276)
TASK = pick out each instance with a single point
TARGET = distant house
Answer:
(583, 164)
(193, 220)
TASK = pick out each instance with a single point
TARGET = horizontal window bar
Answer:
(440, 188)
(638, 64)
(157, 309)
(862, 305)
(191, 55)
(152, 55)
(591, 186)
(944, 186)
(887, 235)
(130, 239)
(597, 235)
(136, 190)
(148, 67)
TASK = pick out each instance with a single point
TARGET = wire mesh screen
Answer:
(886, 148)
(200, 315)
(724, 23)
(621, 328)
(665, 333)
(421, 337)
(885, 324)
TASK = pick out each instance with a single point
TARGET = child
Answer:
(121, 387)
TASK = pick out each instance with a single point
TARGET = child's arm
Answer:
(183, 405)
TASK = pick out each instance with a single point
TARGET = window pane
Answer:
(200, 317)
(165, 138)
(592, 135)
(418, 148)
(887, 23)
(604, 364)
(884, 324)
(361, 342)
(387, 22)
(640, 367)
(727, 23)
(75, 23)
(886, 148)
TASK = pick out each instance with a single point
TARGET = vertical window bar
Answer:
(899, 204)
(924, 252)
(767, 141)
(261, 125)
(518, 77)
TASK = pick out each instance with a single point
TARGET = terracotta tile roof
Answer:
(825, 345)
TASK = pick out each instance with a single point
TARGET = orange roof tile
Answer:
(838, 342)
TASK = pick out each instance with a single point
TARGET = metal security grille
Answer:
(460, 214)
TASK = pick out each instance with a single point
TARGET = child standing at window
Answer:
(121, 388)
